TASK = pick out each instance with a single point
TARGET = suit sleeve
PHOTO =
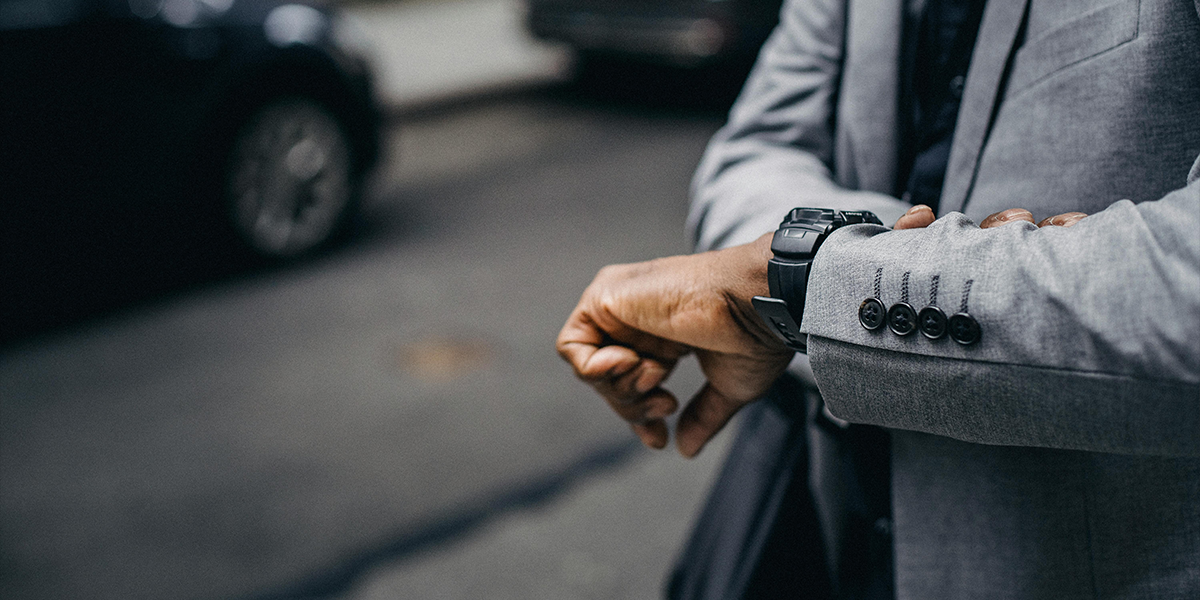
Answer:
(1090, 335)
(776, 151)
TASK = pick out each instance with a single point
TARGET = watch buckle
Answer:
(774, 312)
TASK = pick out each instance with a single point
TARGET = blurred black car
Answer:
(685, 33)
(249, 120)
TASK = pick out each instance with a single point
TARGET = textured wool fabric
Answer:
(1115, 294)
(976, 521)
(1003, 404)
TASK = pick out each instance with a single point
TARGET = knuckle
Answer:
(608, 272)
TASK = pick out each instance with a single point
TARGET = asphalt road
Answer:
(252, 432)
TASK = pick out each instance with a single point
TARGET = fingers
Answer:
(629, 383)
(645, 415)
(592, 363)
(1004, 217)
(591, 352)
(917, 217)
(922, 216)
(637, 397)
(653, 434)
(634, 386)
(1014, 215)
(704, 416)
(1063, 220)
(652, 429)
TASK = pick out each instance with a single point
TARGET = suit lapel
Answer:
(997, 37)
(870, 76)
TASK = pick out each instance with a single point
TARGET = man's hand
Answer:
(634, 322)
(922, 216)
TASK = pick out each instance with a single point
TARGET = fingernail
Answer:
(1008, 215)
(918, 208)
(647, 380)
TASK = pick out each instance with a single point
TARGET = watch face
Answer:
(808, 216)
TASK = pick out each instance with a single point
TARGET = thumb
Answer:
(704, 416)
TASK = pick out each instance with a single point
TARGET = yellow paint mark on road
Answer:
(443, 358)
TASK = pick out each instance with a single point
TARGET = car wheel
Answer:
(290, 178)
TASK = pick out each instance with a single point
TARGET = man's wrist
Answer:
(746, 266)
(792, 249)
(762, 255)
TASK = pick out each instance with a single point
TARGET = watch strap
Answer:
(788, 281)
(794, 245)
(774, 312)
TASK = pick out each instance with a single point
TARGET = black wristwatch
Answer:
(795, 245)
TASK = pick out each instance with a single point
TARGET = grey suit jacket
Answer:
(1059, 457)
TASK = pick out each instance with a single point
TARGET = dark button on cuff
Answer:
(871, 314)
(964, 329)
(902, 319)
(932, 322)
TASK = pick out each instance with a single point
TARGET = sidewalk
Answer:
(427, 51)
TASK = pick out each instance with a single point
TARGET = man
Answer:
(1056, 453)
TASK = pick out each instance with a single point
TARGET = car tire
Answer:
(290, 180)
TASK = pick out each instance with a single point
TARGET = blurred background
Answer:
(281, 282)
